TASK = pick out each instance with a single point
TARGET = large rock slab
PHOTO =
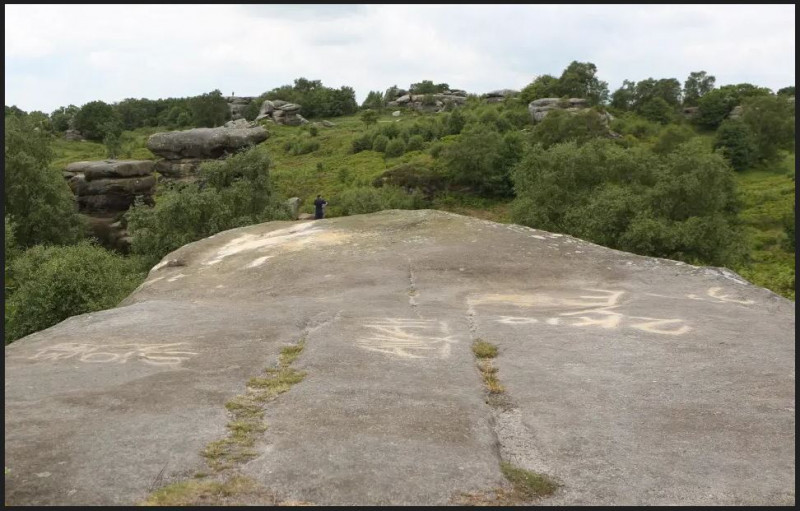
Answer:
(204, 143)
(111, 168)
(632, 380)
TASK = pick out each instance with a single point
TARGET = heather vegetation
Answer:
(689, 171)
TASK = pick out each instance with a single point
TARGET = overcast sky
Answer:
(58, 55)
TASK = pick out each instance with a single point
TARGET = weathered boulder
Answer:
(294, 206)
(396, 113)
(499, 95)
(630, 380)
(184, 167)
(539, 108)
(239, 123)
(736, 113)
(403, 99)
(328, 124)
(124, 187)
(111, 168)
(73, 135)
(204, 143)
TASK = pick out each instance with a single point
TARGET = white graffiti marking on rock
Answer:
(153, 354)
(597, 310)
(408, 338)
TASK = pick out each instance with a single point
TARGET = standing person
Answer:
(319, 207)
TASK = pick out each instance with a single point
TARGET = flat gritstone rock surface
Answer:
(628, 379)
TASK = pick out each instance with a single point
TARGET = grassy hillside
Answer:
(767, 197)
(330, 168)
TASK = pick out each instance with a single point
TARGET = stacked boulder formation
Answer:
(281, 112)
(184, 151)
(238, 104)
(497, 96)
(539, 108)
(426, 102)
(106, 189)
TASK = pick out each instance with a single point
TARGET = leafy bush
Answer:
(362, 143)
(562, 126)
(482, 159)
(97, 118)
(395, 147)
(54, 283)
(736, 141)
(379, 143)
(671, 137)
(316, 99)
(369, 117)
(415, 143)
(680, 205)
(412, 177)
(209, 110)
(233, 193)
(772, 121)
(368, 199)
(37, 198)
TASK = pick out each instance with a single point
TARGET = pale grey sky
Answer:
(72, 54)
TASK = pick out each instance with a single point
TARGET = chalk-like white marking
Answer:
(176, 277)
(258, 262)
(538, 237)
(248, 242)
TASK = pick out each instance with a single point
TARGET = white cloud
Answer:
(62, 54)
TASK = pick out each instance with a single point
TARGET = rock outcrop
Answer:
(281, 112)
(497, 96)
(238, 104)
(426, 102)
(185, 151)
(629, 380)
(539, 108)
(106, 189)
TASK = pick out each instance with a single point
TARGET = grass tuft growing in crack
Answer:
(248, 414)
(527, 485)
(485, 352)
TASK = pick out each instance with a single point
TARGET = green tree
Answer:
(481, 158)
(209, 110)
(369, 117)
(714, 107)
(56, 282)
(562, 126)
(37, 198)
(579, 81)
(234, 192)
(623, 98)
(772, 121)
(736, 141)
(374, 100)
(697, 85)
(62, 117)
(395, 147)
(671, 137)
(657, 110)
(94, 118)
(544, 86)
(680, 205)
(786, 91)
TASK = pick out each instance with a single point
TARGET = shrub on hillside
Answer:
(482, 158)
(379, 143)
(412, 177)
(36, 197)
(301, 145)
(96, 119)
(368, 199)
(561, 126)
(54, 283)
(671, 137)
(415, 143)
(362, 143)
(234, 192)
(736, 141)
(395, 147)
(680, 205)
